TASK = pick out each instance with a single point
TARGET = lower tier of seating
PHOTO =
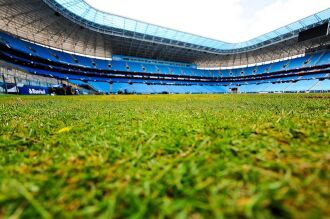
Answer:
(312, 85)
(303, 86)
(143, 88)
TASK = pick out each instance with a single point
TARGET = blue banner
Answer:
(33, 90)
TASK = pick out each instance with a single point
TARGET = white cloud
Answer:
(225, 20)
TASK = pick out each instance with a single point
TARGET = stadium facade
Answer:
(68, 41)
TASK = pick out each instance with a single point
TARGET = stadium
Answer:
(104, 116)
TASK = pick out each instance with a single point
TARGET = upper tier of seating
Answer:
(53, 57)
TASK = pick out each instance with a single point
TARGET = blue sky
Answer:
(226, 20)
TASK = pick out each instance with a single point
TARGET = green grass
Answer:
(185, 156)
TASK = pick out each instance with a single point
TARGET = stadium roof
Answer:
(82, 12)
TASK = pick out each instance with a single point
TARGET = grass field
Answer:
(185, 156)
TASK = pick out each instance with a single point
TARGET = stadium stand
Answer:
(292, 67)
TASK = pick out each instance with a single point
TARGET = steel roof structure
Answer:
(75, 26)
(80, 11)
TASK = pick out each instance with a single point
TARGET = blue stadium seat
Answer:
(322, 86)
(122, 87)
(119, 66)
(158, 89)
(263, 69)
(101, 87)
(254, 88)
(304, 85)
(278, 66)
(14, 43)
(325, 59)
(296, 63)
(278, 87)
(141, 88)
(103, 64)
